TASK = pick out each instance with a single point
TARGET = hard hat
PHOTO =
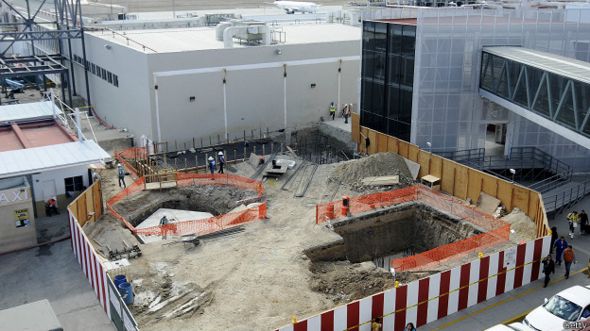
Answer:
(220, 153)
(210, 158)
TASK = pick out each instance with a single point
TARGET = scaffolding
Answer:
(46, 35)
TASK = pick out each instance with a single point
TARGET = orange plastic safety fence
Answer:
(132, 153)
(363, 203)
(459, 248)
(189, 179)
(205, 226)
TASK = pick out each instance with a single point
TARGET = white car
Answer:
(569, 305)
(510, 327)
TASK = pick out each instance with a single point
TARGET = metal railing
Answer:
(565, 199)
(124, 36)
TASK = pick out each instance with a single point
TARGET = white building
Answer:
(177, 85)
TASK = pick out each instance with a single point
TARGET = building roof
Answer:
(47, 158)
(33, 134)
(560, 65)
(203, 38)
(27, 111)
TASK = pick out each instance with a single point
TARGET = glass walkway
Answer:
(553, 91)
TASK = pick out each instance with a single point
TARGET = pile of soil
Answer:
(352, 172)
(343, 281)
(524, 228)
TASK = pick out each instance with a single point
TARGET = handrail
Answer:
(115, 33)
(566, 198)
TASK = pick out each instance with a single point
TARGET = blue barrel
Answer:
(126, 291)
(120, 279)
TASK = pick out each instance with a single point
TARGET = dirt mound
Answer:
(524, 228)
(352, 172)
(343, 281)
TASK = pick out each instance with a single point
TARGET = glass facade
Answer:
(558, 98)
(387, 77)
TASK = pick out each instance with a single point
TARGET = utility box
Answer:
(432, 182)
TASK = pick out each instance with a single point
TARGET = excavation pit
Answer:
(404, 229)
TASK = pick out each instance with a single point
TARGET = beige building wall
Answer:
(16, 205)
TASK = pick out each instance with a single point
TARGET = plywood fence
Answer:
(88, 205)
(457, 179)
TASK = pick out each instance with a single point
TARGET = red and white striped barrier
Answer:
(429, 299)
(90, 263)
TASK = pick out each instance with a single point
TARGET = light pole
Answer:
(513, 172)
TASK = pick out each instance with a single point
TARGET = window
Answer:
(93, 68)
(116, 80)
(74, 184)
(110, 77)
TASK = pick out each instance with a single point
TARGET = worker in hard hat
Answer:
(211, 164)
(121, 174)
(332, 111)
(221, 160)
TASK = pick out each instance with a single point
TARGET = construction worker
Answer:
(163, 222)
(332, 111)
(572, 219)
(211, 165)
(51, 206)
(121, 174)
(548, 269)
(568, 258)
(346, 113)
(221, 160)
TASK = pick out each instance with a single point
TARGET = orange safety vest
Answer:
(568, 255)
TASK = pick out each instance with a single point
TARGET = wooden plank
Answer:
(520, 198)
(382, 143)
(461, 181)
(505, 193)
(392, 144)
(474, 188)
(355, 123)
(89, 205)
(423, 160)
(373, 139)
(447, 178)
(436, 166)
(364, 133)
(490, 185)
(81, 204)
(413, 153)
(404, 148)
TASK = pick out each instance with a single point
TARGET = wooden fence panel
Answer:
(424, 161)
(81, 207)
(447, 181)
(520, 198)
(413, 152)
(393, 145)
(404, 148)
(355, 122)
(475, 183)
(373, 139)
(461, 181)
(436, 166)
(505, 193)
(382, 143)
(490, 185)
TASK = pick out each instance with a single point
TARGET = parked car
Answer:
(569, 305)
(510, 327)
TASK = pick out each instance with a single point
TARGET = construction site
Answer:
(281, 236)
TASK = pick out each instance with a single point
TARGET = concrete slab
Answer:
(51, 272)
(381, 181)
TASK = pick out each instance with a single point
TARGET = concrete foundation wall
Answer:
(11, 236)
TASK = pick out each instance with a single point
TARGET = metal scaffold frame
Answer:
(48, 33)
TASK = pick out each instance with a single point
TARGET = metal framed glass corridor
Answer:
(554, 87)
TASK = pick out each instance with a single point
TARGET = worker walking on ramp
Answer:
(221, 160)
(211, 165)
(121, 174)
(332, 111)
